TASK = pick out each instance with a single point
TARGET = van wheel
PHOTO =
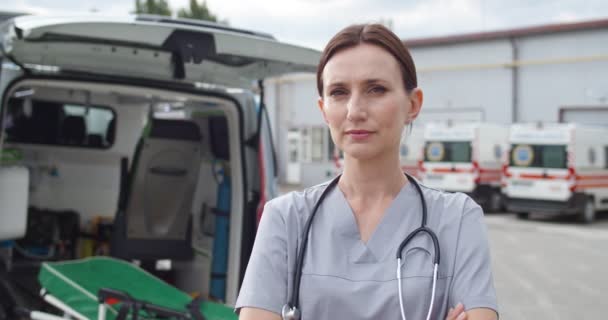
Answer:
(496, 203)
(523, 215)
(588, 214)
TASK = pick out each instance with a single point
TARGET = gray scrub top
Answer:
(345, 278)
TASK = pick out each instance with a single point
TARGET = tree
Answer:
(197, 11)
(160, 7)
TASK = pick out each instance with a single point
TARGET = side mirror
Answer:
(14, 190)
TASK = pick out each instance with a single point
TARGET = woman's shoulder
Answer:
(296, 204)
(450, 206)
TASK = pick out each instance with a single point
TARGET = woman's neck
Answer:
(373, 178)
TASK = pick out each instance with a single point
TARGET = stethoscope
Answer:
(291, 311)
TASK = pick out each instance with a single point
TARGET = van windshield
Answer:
(538, 156)
(447, 151)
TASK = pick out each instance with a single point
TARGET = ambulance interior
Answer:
(146, 175)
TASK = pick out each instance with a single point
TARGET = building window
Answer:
(293, 151)
(316, 145)
(305, 151)
(331, 147)
(318, 137)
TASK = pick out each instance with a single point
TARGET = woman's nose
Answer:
(356, 108)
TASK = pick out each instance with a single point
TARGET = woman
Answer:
(368, 93)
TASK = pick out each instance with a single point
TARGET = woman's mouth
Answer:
(359, 134)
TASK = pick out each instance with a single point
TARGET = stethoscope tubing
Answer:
(291, 310)
(300, 258)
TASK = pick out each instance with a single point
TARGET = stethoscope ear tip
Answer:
(290, 313)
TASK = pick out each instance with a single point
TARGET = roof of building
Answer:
(506, 34)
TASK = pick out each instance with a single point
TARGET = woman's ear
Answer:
(416, 97)
(321, 105)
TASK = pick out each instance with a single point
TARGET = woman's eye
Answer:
(337, 92)
(377, 89)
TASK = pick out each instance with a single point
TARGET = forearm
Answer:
(257, 314)
(481, 314)
(458, 313)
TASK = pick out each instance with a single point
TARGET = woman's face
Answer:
(365, 103)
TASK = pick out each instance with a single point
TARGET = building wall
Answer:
(466, 78)
(551, 71)
(574, 73)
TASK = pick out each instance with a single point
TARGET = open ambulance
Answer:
(557, 169)
(465, 157)
(138, 137)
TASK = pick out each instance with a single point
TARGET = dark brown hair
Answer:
(375, 34)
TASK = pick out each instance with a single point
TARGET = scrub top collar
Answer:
(403, 210)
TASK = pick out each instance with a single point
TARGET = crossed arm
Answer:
(456, 313)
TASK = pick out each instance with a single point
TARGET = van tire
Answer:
(495, 202)
(588, 213)
(523, 215)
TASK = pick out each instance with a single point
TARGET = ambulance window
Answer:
(554, 157)
(460, 152)
(522, 155)
(55, 123)
(540, 156)
(606, 157)
(448, 151)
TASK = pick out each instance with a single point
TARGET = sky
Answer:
(312, 22)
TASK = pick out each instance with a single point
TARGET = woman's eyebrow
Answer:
(365, 82)
(336, 84)
(374, 81)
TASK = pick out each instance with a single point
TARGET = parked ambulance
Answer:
(465, 157)
(557, 169)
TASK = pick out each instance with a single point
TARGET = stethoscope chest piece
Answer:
(290, 313)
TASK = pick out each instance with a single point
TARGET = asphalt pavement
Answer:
(549, 268)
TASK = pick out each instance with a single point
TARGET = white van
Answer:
(557, 169)
(465, 157)
(150, 122)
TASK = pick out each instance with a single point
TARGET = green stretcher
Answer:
(109, 289)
